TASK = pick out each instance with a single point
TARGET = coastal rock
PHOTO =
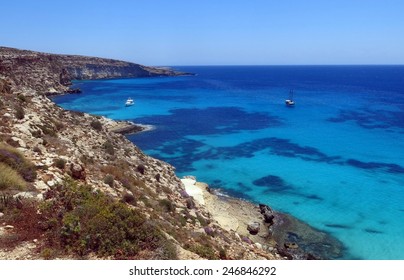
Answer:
(253, 228)
(269, 218)
(73, 90)
(311, 243)
(264, 208)
(291, 245)
(267, 213)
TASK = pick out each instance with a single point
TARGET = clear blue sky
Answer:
(211, 32)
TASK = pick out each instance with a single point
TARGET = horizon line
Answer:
(280, 65)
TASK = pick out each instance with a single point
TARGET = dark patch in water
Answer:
(217, 182)
(182, 152)
(210, 166)
(388, 167)
(372, 119)
(338, 226)
(183, 146)
(314, 197)
(373, 231)
(273, 183)
(212, 120)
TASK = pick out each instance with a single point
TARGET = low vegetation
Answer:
(13, 158)
(96, 124)
(109, 148)
(19, 113)
(10, 179)
(60, 163)
(109, 180)
(80, 220)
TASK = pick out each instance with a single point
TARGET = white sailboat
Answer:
(290, 101)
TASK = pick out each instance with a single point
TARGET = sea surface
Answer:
(335, 160)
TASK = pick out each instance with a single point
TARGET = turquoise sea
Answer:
(335, 160)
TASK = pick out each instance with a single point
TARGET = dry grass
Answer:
(10, 179)
(13, 158)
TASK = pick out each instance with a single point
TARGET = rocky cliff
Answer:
(50, 73)
(72, 188)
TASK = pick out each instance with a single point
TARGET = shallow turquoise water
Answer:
(336, 160)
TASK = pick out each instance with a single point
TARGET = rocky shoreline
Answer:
(269, 230)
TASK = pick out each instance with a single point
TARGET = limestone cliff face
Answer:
(51, 73)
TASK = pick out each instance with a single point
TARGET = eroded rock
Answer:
(253, 228)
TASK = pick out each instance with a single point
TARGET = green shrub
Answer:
(48, 129)
(129, 198)
(109, 148)
(48, 253)
(19, 112)
(141, 168)
(90, 221)
(59, 163)
(22, 98)
(14, 159)
(205, 251)
(109, 180)
(223, 254)
(167, 205)
(96, 124)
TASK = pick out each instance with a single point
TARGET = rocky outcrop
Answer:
(267, 213)
(50, 73)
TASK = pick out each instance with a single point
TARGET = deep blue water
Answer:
(335, 160)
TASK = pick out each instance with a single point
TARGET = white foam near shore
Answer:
(193, 190)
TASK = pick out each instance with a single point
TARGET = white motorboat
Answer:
(129, 102)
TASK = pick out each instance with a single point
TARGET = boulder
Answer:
(253, 228)
(78, 171)
(267, 213)
(291, 245)
(265, 208)
(269, 218)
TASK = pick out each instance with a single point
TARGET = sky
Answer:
(211, 32)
